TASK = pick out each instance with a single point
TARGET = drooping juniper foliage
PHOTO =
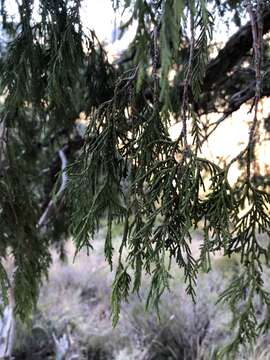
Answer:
(127, 168)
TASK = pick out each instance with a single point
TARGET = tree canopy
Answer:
(127, 168)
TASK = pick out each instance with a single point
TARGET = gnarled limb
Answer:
(235, 49)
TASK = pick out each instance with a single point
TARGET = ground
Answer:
(74, 303)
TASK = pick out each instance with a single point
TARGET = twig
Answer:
(154, 67)
(217, 123)
(257, 34)
(188, 80)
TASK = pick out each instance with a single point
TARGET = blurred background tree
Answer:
(60, 179)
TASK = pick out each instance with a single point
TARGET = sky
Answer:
(97, 15)
(100, 16)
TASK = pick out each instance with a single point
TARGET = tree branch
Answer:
(63, 159)
(234, 50)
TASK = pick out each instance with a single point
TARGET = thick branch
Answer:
(234, 50)
(59, 163)
(63, 158)
(236, 101)
(246, 94)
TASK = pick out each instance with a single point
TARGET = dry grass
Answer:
(76, 301)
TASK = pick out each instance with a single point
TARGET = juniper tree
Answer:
(127, 168)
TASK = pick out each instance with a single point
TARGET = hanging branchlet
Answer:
(188, 76)
(155, 68)
(203, 24)
(169, 44)
(257, 34)
(249, 226)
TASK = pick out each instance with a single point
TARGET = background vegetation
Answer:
(75, 302)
